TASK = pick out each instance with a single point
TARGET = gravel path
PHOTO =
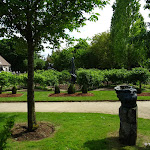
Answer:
(88, 107)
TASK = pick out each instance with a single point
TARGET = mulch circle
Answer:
(10, 95)
(144, 94)
(66, 94)
(21, 133)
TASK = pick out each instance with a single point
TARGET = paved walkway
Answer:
(89, 107)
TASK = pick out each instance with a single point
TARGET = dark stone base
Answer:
(128, 125)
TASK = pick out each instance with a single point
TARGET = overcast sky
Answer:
(102, 25)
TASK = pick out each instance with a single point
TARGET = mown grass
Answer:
(43, 96)
(79, 131)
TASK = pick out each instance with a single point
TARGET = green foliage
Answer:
(0, 90)
(40, 21)
(49, 77)
(4, 76)
(22, 79)
(62, 59)
(39, 79)
(6, 132)
(139, 74)
(116, 76)
(100, 52)
(39, 63)
(71, 89)
(14, 90)
(84, 88)
(80, 53)
(13, 79)
(64, 77)
(91, 77)
(95, 78)
(57, 89)
(127, 24)
(14, 49)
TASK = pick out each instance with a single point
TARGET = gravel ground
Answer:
(84, 107)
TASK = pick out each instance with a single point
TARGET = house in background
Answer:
(4, 65)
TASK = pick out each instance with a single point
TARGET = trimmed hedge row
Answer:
(91, 78)
(94, 78)
(41, 77)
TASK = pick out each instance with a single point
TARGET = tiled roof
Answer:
(3, 62)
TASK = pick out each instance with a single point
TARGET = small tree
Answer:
(6, 132)
(13, 80)
(3, 80)
(71, 89)
(57, 89)
(42, 20)
(140, 75)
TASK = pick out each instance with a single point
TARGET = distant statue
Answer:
(73, 75)
(50, 66)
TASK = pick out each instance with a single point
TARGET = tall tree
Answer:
(42, 20)
(127, 23)
(61, 60)
(80, 53)
(101, 56)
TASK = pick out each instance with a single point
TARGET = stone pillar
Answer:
(128, 114)
(128, 125)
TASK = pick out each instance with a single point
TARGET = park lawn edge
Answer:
(42, 96)
(96, 127)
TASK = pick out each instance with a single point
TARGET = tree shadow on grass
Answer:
(110, 143)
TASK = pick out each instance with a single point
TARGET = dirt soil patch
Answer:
(10, 95)
(144, 94)
(75, 94)
(21, 133)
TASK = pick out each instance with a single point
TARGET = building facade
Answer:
(4, 65)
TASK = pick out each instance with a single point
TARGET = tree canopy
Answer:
(126, 24)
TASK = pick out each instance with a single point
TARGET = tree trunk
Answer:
(30, 90)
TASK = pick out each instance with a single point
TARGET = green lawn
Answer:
(79, 131)
(43, 96)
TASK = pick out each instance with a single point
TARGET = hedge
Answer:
(91, 78)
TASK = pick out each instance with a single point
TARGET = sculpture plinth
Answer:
(127, 114)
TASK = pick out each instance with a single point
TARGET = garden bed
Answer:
(10, 95)
(143, 94)
(21, 133)
(75, 94)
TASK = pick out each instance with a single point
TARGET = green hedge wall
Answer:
(92, 78)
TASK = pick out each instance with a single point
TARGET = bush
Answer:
(139, 76)
(84, 88)
(4, 76)
(116, 76)
(57, 89)
(93, 78)
(39, 79)
(71, 89)
(51, 77)
(22, 79)
(0, 90)
(6, 132)
(64, 77)
(14, 90)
